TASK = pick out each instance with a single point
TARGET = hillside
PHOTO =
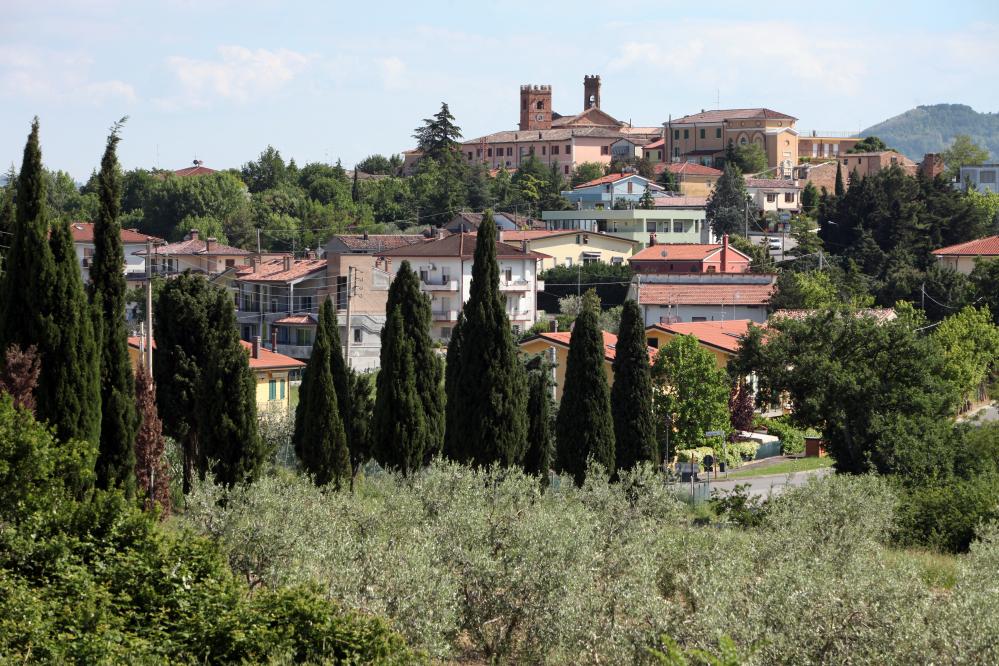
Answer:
(929, 129)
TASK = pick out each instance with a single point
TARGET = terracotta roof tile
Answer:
(83, 232)
(721, 334)
(301, 320)
(189, 171)
(704, 294)
(677, 252)
(196, 247)
(771, 182)
(458, 245)
(534, 234)
(268, 359)
(380, 241)
(530, 136)
(610, 343)
(473, 220)
(985, 247)
(687, 169)
(655, 144)
(274, 271)
(732, 114)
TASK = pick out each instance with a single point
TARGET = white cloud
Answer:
(238, 74)
(392, 71)
(59, 76)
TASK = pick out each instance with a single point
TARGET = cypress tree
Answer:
(226, 407)
(321, 438)
(116, 453)
(537, 460)
(631, 395)
(839, 190)
(399, 430)
(491, 387)
(452, 375)
(6, 227)
(362, 405)
(584, 426)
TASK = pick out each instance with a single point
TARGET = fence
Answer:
(768, 450)
(701, 493)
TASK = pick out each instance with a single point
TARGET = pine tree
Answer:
(438, 140)
(43, 304)
(226, 407)
(668, 180)
(537, 460)
(399, 430)
(151, 469)
(726, 205)
(839, 190)
(584, 426)
(490, 391)
(116, 453)
(320, 433)
(631, 395)
(810, 199)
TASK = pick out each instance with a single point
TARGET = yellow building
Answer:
(560, 342)
(272, 371)
(721, 338)
(703, 138)
(572, 247)
(695, 180)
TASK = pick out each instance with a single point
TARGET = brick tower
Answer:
(535, 107)
(591, 92)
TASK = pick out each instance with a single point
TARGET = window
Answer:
(894, 160)
(341, 292)
(787, 153)
(698, 319)
(541, 104)
(516, 329)
(568, 149)
(566, 167)
(489, 152)
(586, 239)
(568, 262)
(789, 197)
(543, 149)
(305, 303)
(590, 260)
(708, 183)
(686, 134)
(577, 239)
(652, 342)
(678, 227)
(272, 390)
(424, 275)
(846, 161)
(986, 176)
(509, 151)
(617, 261)
(771, 198)
(659, 154)
(718, 133)
(282, 389)
(676, 135)
(524, 103)
(676, 151)
(229, 263)
(702, 132)
(304, 337)
(825, 151)
(508, 275)
(523, 151)
(358, 336)
(835, 150)
(742, 141)
(815, 150)
(650, 226)
(605, 150)
(469, 154)
(554, 150)
(445, 331)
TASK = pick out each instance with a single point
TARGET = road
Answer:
(788, 243)
(987, 413)
(761, 485)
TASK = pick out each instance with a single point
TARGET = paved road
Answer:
(989, 413)
(786, 240)
(761, 485)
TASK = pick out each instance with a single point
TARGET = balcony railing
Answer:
(442, 285)
(86, 262)
(295, 351)
(518, 315)
(514, 285)
(824, 134)
(446, 315)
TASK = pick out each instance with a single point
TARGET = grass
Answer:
(936, 571)
(796, 465)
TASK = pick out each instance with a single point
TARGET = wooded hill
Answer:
(930, 129)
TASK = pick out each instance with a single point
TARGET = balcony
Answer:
(443, 285)
(446, 315)
(294, 351)
(520, 315)
(86, 262)
(514, 285)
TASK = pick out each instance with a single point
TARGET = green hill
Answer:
(929, 129)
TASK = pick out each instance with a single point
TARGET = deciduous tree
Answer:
(151, 470)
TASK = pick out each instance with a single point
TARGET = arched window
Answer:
(525, 105)
(743, 141)
(541, 105)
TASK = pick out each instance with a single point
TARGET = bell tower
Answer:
(535, 107)
(591, 92)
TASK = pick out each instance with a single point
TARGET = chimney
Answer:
(365, 235)
(526, 246)
(288, 262)
(388, 265)
(274, 339)
(378, 263)
(211, 245)
(255, 353)
(652, 238)
(499, 233)
(440, 233)
(311, 254)
(194, 234)
(724, 254)
(553, 325)
(255, 263)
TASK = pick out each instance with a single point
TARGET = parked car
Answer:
(774, 243)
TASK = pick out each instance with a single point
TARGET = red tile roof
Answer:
(380, 241)
(724, 335)
(687, 169)
(83, 232)
(610, 343)
(301, 320)
(771, 182)
(473, 220)
(732, 114)
(534, 234)
(189, 171)
(274, 271)
(268, 359)
(985, 247)
(704, 294)
(655, 144)
(607, 179)
(458, 245)
(678, 252)
(680, 202)
(197, 247)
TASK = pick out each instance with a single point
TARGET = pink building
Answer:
(690, 258)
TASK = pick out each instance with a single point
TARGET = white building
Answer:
(445, 270)
(671, 298)
(982, 177)
(774, 195)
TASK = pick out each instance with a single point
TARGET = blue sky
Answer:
(222, 79)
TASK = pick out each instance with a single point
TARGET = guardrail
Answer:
(824, 134)
(446, 315)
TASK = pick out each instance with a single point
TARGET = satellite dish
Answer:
(663, 253)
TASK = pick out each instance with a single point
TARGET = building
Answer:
(816, 145)
(721, 338)
(961, 257)
(868, 164)
(691, 297)
(774, 195)
(703, 137)
(371, 278)
(675, 220)
(445, 271)
(507, 221)
(559, 342)
(272, 370)
(573, 247)
(690, 258)
(823, 174)
(981, 177)
(209, 256)
(131, 239)
(275, 289)
(603, 193)
(197, 170)
(695, 180)
(370, 243)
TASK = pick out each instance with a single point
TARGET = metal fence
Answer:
(768, 450)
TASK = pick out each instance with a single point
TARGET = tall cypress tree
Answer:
(584, 426)
(452, 376)
(631, 395)
(362, 405)
(537, 460)
(226, 406)
(116, 453)
(491, 387)
(414, 306)
(839, 189)
(320, 435)
(399, 430)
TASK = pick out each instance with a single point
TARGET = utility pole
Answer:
(579, 270)
(258, 241)
(350, 278)
(149, 306)
(745, 205)
(922, 291)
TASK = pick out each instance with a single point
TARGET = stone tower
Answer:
(535, 107)
(591, 92)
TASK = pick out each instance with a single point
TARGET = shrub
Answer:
(792, 440)
(945, 517)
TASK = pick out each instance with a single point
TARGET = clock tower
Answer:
(535, 107)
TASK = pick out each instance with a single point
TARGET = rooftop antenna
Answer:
(157, 156)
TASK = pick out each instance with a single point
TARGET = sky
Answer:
(220, 80)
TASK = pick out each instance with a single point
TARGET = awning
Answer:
(591, 253)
